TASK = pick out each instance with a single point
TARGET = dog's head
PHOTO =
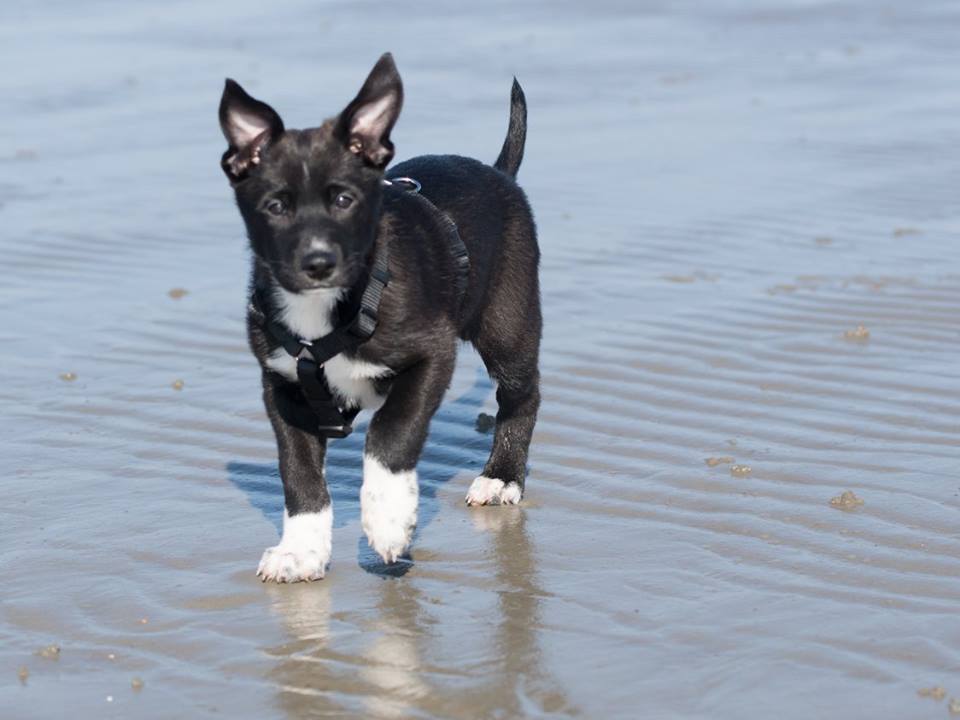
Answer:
(311, 198)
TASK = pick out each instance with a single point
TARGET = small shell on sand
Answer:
(740, 470)
(177, 293)
(954, 706)
(177, 384)
(936, 692)
(68, 376)
(859, 334)
(23, 674)
(846, 501)
(50, 652)
(136, 684)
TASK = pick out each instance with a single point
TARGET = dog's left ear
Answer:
(365, 125)
(248, 125)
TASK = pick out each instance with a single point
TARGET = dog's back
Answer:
(494, 220)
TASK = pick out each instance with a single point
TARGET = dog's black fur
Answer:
(290, 189)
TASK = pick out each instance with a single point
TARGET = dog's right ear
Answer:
(365, 125)
(248, 125)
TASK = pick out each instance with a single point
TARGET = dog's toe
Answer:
(390, 537)
(288, 565)
(491, 491)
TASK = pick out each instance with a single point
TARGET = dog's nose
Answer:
(319, 263)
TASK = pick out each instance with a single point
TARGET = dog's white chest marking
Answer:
(308, 316)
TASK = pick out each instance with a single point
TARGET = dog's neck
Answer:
(308, 314)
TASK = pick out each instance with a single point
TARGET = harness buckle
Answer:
(336, 432)
(303, 352)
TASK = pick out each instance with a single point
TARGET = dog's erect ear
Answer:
(365, 125)
(248, 125)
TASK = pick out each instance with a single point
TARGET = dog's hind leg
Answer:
(509, 343)
(518, 398)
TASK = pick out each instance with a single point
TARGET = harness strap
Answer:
(274, 328)
(458, 250)
(332, 420)
(366, 320)
(447, 228)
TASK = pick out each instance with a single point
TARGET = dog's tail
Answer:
(511, 154)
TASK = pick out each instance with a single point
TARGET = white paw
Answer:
(388, 508)
(490, 491)
(304, 550)
(289, 565)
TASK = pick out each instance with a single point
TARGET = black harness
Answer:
(332, 420)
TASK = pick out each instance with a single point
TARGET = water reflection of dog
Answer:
(518, 681)
(410, 652)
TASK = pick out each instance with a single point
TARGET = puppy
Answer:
(457, 260)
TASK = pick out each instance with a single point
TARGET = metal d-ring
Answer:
(414, 186)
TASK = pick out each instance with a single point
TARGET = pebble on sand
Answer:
(50, 652)
(936, 692)
(905, 231)
(68, 376)
(954, 706)
(136, 684)
(23, 674)
(714, 461)
(846, 501)
(858, 334)
(178, 384)
(740, 470)
(177, 293)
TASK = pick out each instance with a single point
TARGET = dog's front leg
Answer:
(304, 550)
(395, 438)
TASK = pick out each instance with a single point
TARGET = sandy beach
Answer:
(749, 217)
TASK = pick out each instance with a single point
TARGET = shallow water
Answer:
(724, 195)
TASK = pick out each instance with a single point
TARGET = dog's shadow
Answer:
(453, 448)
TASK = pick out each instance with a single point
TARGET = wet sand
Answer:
(724, 196)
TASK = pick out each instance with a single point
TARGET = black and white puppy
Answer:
(316, 207)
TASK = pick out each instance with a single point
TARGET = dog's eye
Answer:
(343, 201)
(276, 206)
